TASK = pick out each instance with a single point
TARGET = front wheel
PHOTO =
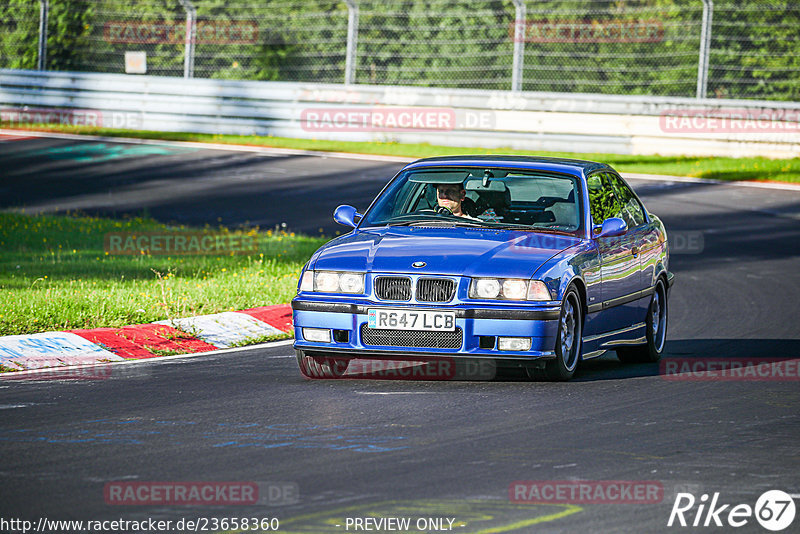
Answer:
(320, 367)
(656, 331)
(569, 340)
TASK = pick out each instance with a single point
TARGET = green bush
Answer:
(754, 49)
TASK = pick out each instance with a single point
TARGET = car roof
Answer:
(575, 167)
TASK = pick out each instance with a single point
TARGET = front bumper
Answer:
(480, 326)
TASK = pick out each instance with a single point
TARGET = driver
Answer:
(451, 197)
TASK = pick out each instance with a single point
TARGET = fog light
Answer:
(514, 343)
(320, 335)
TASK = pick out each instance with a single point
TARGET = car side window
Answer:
(603, 202)
(631, 210)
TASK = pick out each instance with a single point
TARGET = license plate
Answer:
(388, 319)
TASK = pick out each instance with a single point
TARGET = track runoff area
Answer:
(240, 435)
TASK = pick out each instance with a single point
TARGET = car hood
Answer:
(468, 251)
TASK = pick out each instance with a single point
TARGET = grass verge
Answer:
(56, 275)
(260, 339)
(784, 170)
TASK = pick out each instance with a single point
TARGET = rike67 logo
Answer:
(774, 510)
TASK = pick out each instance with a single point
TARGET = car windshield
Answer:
(489, 197)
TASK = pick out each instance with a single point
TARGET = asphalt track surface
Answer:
(186, 185)
(369, 448)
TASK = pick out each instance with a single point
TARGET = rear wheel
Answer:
(656, 331)
(321, 367)
(569, 340)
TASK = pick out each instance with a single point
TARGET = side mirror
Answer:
(346, 215)
(612, 227)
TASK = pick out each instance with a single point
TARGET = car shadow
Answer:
(699, 354)
(708, 352)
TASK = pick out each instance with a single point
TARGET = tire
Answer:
(656, 321)
(319, 367)
(569, 340)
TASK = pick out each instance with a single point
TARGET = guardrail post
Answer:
(519, 45)
(191, 37)
(705, 48)
(44, 8)
(352, 42)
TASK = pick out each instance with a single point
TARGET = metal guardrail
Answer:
(469, 118)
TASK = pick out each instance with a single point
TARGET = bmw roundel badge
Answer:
(419, 264)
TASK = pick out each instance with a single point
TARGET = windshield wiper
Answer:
(421, 218)
(451, 223)
(529, 228)
(397, 221)
(409, 218)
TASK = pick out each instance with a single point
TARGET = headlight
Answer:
(485, 288)
(351, 283)
(332, 282)
(508, 289)
(326, 282)
(515, 289)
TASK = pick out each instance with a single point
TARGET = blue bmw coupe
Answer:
(531, 262)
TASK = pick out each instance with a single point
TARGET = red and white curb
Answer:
(177, 336)
(224, 330)
(5, 138)
(51, 349)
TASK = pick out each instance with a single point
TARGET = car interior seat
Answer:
(563, 211)
(495, 195)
